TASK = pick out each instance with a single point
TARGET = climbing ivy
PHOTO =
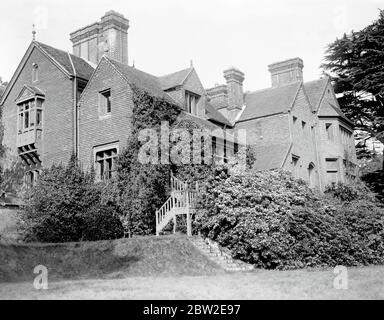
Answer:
(143, 188)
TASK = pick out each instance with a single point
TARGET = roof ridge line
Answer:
(111, 62)
(168, 74)
(273, 88)
(296, 94)
(50, 56)
(286, 155)
(186, 77)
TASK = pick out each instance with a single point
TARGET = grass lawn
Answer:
(167, 267)
(364, 283)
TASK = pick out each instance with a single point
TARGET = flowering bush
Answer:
(274, 221)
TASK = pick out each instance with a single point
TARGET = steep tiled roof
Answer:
(315, 90)
(200, 121)
(269, 101)
(270, 157)
(83, 69)
(141, 79)
(218, 103)
(213, 114)
(338, 111)
(174, 79)
(154, 86)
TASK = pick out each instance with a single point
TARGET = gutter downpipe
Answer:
(75, 116)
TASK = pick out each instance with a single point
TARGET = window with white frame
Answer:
(105, 162)
(30, 115)
(191, 101)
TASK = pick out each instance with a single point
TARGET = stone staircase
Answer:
(218, 255)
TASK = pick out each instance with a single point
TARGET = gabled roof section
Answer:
(323, 113)
(174, 79)
(59, 58)
(269, 101)
(29, 91)
(141, 79)
(214, 115)
(82, 68)
(315, 91)
(269, 157)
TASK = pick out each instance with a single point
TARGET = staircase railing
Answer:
(182, 199)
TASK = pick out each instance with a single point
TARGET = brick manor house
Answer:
(58, 103)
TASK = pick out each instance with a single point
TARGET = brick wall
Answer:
(57, 135)
(303, 138)
(95, 130)
(333, 148)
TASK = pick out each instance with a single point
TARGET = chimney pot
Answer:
(287, 71)
(234, 78)
(88, 41)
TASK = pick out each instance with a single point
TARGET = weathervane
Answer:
(33, 32)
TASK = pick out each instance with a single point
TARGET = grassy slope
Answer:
(142, 256)
(364, 283)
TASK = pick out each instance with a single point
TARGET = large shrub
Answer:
(274, 221)
(61, 207)
(100, 222)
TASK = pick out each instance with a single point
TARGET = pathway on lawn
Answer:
(364, 283)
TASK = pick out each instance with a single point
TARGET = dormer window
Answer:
(191, 101)
(35, 72)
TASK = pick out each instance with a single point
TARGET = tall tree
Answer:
(356, 64)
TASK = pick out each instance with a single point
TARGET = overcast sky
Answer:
(164, 35)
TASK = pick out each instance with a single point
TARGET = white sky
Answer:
(164, 35)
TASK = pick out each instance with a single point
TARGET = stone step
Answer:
(222, 259)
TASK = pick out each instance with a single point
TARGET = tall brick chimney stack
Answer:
(286, 72)
(234, 79)
(108, 36)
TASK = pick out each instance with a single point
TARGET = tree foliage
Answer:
(66, 205)
(356, 63)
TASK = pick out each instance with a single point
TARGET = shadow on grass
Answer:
(63, 261)
(111, 259)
